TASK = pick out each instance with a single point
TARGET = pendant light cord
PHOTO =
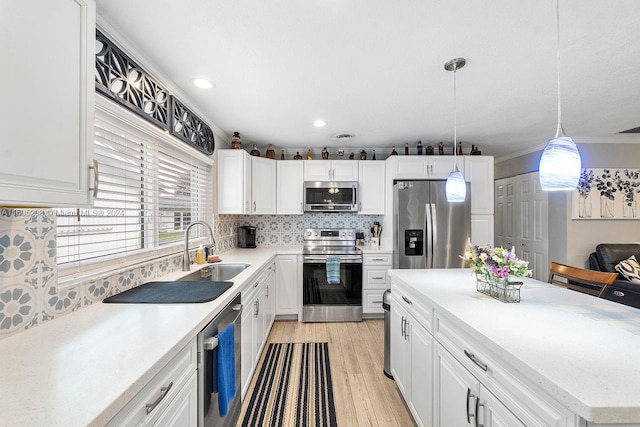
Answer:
(455, 115)
(559, 130)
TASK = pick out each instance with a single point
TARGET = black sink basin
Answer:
(171, 292)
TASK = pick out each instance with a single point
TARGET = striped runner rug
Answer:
(293, 388)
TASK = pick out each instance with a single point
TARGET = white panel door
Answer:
(247, 353)
(493, 413)
(263, 186)
(454, 393)
(48, 92)
(400, 368)
(439, 167)
(371, 181)
(479, 170)
(183, 411)
(421, 345)
(412, 167)
(345, 170)
(533, 211)
(234, 181)
(317, 170)
(287, 284)
(482, 230)
(290, 179)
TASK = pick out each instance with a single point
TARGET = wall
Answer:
(274, 230)
(572, 240)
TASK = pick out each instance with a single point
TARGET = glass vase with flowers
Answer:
(496, 271)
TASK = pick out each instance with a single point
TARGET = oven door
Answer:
(324, 302)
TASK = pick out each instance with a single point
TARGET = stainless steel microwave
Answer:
(330, 196)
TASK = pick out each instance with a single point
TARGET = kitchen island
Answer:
(557, 358)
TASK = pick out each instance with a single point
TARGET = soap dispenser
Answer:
(200, 255)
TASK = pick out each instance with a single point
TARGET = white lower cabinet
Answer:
(183, 411)
(455, 385)
(170, 398)
(375, 280)
(287, 284)
(411, 363)
(258, 313)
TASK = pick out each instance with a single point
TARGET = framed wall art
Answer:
(607, 193)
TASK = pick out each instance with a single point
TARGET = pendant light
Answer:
(560, 163)
(455, 187)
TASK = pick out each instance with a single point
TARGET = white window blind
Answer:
(151, 187)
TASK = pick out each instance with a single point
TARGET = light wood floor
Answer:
(363, 395)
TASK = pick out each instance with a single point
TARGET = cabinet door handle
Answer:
(473, 358)
(407, 300)
(256, 285)
(96, 178)
(466, 408)
(402, 327)
(478, 405)
(254, 206)
(376, 302)
(377, 259)
(163, 392)
(255, 309)
(377, 277)
(266, 292)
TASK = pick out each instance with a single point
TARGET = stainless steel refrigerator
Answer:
(428, 231)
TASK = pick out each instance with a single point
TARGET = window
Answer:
(151, 186)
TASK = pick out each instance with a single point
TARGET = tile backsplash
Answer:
(29, 294)
(29, 274)
(272, 230)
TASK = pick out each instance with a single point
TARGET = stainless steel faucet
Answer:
(185, 256)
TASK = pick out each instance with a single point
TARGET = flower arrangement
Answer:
(606, 185)
(497, 262)
(629, 186)
(585, 182)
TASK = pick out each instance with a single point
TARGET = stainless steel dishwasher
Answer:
(208, 410)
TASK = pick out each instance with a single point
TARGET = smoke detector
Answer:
(344, 136)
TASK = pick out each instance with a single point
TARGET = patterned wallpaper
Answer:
(29, 274)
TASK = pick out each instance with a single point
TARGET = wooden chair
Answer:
(590, 282)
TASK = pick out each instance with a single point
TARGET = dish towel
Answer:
(225, 369)
(333, 270)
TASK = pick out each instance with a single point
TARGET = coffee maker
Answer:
(246, 236)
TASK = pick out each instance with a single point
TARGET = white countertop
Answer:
(82, 368)
(583, 351)
(369, 249)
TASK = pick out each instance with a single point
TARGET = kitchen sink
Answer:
(216, 273)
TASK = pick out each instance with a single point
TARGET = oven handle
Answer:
(323, 259)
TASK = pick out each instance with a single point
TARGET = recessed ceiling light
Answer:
(319, 123)
(203, 83)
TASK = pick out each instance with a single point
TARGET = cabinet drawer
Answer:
(377, 259)
(375, 278)
(422, 312)
(528, 402)
(372, 301)
(168, 382)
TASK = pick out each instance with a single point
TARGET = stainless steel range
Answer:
(338, 299)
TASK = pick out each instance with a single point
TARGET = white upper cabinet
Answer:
(47, 84)
(234, 181)
(427, 167)
(289, 197)
(371, 178)
(331, 170)
(263, 186)
(479, 171)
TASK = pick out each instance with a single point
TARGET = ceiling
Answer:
(375, 68)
